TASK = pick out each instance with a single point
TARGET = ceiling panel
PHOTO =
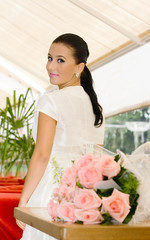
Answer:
(110, 27)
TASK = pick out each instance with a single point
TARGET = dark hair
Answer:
(81, 53)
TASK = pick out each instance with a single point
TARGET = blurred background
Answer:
(118, 36)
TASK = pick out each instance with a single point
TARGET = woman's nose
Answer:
(51, 65)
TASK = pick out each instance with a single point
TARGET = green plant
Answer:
(16, 141)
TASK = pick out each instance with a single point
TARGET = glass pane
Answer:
(127, 131)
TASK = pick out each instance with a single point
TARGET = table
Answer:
(39, 218)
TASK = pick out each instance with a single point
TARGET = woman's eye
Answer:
(60, 60)
(49, 59)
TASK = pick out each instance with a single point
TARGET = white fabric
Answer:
(139, 163)
(72, 109)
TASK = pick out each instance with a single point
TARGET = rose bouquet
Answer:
(95, 190)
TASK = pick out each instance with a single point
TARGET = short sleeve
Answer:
(46, 105)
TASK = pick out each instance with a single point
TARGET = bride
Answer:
(65, 119)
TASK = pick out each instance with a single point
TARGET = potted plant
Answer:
(16, 141)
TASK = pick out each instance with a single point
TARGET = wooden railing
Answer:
(39, 219)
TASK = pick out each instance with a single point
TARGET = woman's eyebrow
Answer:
(60, 56)
(57, 56)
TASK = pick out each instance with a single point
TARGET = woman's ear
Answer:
(80, 67)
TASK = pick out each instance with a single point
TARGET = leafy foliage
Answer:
(104, 192)
(16, 148)
(107, 219)
(129, 184)
(57, 171)
(127, 181)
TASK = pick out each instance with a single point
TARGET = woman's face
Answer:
(61, 66)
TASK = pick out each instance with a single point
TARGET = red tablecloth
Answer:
(10, 191)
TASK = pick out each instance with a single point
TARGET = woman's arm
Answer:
(40, 157)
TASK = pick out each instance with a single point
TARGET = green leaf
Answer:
(129, 185)
(29, 111)
(104, 192)
(9, 109)
(105, 178)
(107, 219)
(60, 220)
(132, 210)
(79, 185)
(117, 157)
(79, 222)
(14, 103)
(19, 108)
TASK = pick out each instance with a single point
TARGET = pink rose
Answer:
(69, 175)
(86, 198)
(55, 192)
(66, 191)
(52, 209)
(96, 163)
(117, 205)
(88, 176)
(83, 161)
(109, 166)
(88, 216)
(66, 211)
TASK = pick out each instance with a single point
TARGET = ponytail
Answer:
(87, 84)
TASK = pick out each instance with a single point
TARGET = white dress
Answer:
(72, 109)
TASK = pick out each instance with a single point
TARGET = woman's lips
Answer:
(53, 75)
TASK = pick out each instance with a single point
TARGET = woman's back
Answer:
(72, 109)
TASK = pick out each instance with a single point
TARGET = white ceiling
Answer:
(27, 27)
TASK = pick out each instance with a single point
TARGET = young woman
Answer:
(65, 120)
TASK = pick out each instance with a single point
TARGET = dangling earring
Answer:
(77, 75)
